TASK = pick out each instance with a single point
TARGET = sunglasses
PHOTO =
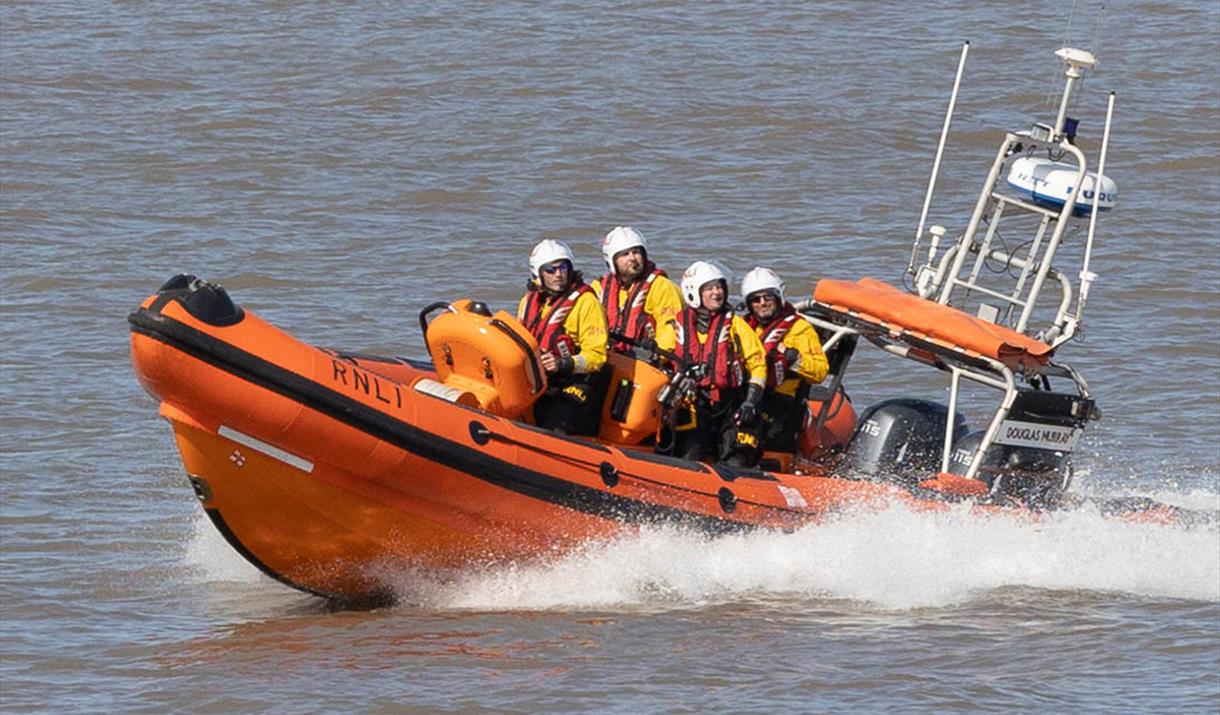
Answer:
(556, 267)
(760, 297)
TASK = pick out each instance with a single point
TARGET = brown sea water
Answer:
(338, 166)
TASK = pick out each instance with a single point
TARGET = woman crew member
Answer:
(728, 361)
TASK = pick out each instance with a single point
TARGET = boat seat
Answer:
(902, 313)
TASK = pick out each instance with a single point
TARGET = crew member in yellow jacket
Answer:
(795, 359)
(563, 314)
(730, 369)
(636, 295)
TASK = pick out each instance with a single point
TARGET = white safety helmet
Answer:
(620, 239)
(548, 251)
(698, 275)
(760, 279)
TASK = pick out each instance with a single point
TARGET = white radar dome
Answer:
(1050, 183)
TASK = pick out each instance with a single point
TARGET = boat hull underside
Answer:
(333, 533)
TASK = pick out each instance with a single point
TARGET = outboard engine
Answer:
(1030, 455)
(901, 438)
(1036, 477)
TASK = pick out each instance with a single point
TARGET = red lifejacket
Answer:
(722, 366)
(771, 337)
(629, 319)
(550, 333)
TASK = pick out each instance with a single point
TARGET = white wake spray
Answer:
(890, 559)
(210, 558)
(893, 559)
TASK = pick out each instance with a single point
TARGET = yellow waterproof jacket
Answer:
(663, 302)
(749, 348)
(585, 324)
(811, 366)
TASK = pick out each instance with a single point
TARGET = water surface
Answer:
(338, 167)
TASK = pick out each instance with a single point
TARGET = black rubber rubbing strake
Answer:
(729, 473)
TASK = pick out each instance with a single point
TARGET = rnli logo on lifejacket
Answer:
(1031, 434)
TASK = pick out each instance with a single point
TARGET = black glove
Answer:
(648, 345)
(748, 411)
(565, 366)
(791, 356)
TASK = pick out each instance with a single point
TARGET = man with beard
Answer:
(636, 295)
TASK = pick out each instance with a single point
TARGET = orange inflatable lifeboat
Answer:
(328, 470)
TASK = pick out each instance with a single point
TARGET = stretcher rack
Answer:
(981, 325)
(844, 324)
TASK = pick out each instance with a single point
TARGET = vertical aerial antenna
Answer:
(940, 149)
(1099, 32)
(1067, 40)
(1086, 276)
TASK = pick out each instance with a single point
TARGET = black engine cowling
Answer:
(900, 439)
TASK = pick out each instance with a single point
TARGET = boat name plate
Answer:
(1031, 434)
